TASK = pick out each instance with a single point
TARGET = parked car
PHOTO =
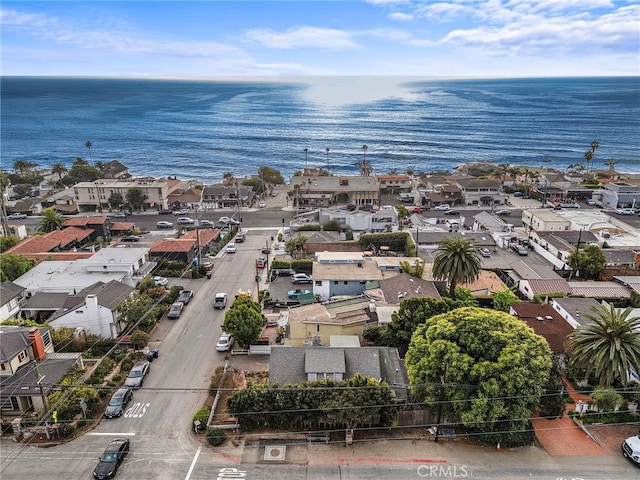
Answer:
(206, 224)
(231, 248)
(261, 262)
(111, 458)
(284, 272)
(132, 238)
(520, 250)
(452, 212)
(208, 266)
(625, 211)
(301, 278)
(240, 236)
(274, 194)
(160, 281)
(163, 224)
(220, 301)
(417, 210)
(185, 221)
(265, 250)
(262, 205)
(17, 216)
(135, 379)
(518, 194)
(570, 205)
(485, 252)
(176, 310)
(366, 208)
(243, 293)
(441, 208)
(225, 342)
(631, 449)
(118, 402)
(165, 212)
(185, 296)
(181, 213)
(503, 212)
(297, 292)
(120, 215)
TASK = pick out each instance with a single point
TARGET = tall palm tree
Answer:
(594, 147)
(306, 157)
(21, 166)
(364, 152)
(88, 145)
(58, 169)
(51, 220)
(328, 167)
(610, 163)
(610, 347)
(456, 261)
(588, 156)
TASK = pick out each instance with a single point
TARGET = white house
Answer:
(10, 300)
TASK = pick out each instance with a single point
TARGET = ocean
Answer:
(201, 128)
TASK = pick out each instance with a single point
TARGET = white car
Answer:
(182, 212)
(164, 224)
(185, 221)
(160, 281)
(485, 252)
(442, 208)
(631, 449)
(625, 211)
(231, 248)
(17, 216)
(262, 205)
(224, 342)
(300, 278)
(228, 221)
(591, 202)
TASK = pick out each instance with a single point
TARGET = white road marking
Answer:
(125, 434)
(193, 464)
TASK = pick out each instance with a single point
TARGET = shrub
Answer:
(216, 436)
(302, 266)
(201, 415)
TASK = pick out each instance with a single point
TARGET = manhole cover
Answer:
(274, 452)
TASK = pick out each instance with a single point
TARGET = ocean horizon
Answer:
(201, 128)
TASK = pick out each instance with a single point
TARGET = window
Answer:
(346, 282)
(3, 367)
(335, 282)
(318, 283)
(21, 356)
(46, 338)
(317, 327)
(14, 403)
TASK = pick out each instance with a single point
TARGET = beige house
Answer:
(91, 196)
(322, 191)
(315, 324)
(545, 219)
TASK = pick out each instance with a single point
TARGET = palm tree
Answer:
(610, 163)
(456, 261)
(588, 156)
(328, 167)
(502, 171)
(306, 157)
(23, 166)
(363, 165)
(58, 169)
(364, 152)
(88, 145)
(51, 220)
(610, 347)
(594, 147)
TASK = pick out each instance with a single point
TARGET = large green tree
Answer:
(270, 175)
(50, 221)
(244, 323)
(456, 261)
(485, 369)
(609, 347)
(588, 262)
(81, 171)
(13, 266)
(136, 197)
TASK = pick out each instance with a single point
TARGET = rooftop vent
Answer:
(539, 319)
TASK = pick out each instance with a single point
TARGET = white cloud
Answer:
(300, 37)
(401, 17)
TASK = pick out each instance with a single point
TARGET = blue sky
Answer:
(498, 38)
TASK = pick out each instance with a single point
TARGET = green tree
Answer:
(270, 175)
(81, 171)
(588, 262)
(50, 221)
(139, 338)
(553, 403)
(332, 225)
(503, 299)
(13, 266)
(295, 246)
(7, 242)
(609, 347)
(228, 178)
(415, 270)
(403, 212)
(486, 369)
(611, 163)
(59, 169)
(244, 323)
(23, 167)
(115, 200)
(456, 261)
(88, 145)
(606, 400)
(136, 197)
(134, 308)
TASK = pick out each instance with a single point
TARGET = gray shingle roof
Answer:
(12, 341)
(323, 360)
(9, 291)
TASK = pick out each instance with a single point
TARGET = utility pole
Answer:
(45, 404)
(198, 236)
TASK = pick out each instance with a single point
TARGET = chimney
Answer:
(37, 345)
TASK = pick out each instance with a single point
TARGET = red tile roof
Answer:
(173, 245)
(122, 226)
(206, 236)
(84, 221)
(46, 243)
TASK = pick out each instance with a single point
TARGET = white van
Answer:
(631, 449)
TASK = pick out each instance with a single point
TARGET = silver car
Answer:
(135, 379)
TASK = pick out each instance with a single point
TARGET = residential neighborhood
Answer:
(338, 282)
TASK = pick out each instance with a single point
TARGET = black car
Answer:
(185, 296)
(111, 459)
(165, 212)
(136, 375)
(452, 212)
(131, 238)
(118, 402)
